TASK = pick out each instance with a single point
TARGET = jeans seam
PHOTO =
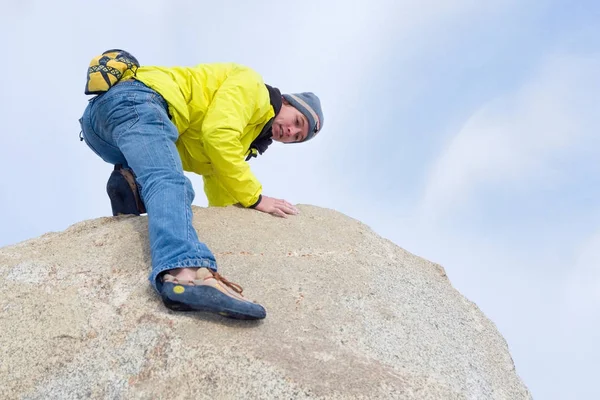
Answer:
(186, 206)
(131, 97)
(188, 211)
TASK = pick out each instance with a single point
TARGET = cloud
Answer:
(515, 139)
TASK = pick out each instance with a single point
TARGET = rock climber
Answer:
(153, 123)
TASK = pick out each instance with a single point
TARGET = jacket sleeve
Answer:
(216, 194)
(230, 111)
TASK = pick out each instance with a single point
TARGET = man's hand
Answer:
(278, 207)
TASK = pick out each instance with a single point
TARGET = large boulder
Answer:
(349, 315)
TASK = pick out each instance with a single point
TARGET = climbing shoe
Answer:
(124, 193)
(209, 292)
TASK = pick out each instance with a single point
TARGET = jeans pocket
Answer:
(116, 112)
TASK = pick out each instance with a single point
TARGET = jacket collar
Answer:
(263, 140)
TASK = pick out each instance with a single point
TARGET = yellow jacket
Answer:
(218, 109)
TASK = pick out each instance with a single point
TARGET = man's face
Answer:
(290, 125)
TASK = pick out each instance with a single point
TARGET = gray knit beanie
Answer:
(308, 104)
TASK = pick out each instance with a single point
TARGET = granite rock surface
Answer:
(349, 315)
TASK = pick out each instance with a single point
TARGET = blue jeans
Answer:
(130, 125)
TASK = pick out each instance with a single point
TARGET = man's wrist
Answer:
(257, 202)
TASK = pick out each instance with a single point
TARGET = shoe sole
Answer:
(121, 196)
(208, 299)
(124, 193)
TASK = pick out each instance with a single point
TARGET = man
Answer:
(206, 119)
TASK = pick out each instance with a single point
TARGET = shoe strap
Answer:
(234, 286)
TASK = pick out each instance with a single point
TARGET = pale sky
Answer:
(464, 131)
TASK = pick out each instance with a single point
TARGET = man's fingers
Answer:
(284, 202)
(287, 209)
(292, 210)
(287, 203)
(278, 207)
(282, 210)
(277, 212)
(292, 207)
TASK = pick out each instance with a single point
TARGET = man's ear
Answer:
(284, 101)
